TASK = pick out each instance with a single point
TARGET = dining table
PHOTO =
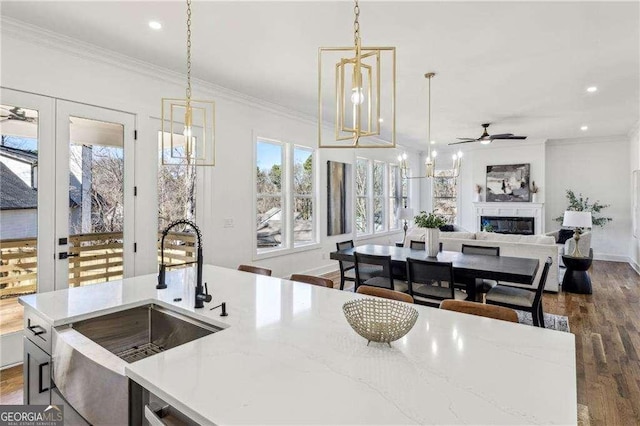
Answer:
(466, 267)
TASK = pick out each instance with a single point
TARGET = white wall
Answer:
(48, 64)
(474, 171)
(599, 169)
(634, 164)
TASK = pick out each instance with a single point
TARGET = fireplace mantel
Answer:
(534, 210)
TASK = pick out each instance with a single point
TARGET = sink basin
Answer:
(137, 333)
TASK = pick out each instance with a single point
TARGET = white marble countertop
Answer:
(288, 356)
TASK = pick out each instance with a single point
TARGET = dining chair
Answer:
(417, 245)
(347, 269)
(425, 279)
(421, 245)
(310, 279)
(383, 272)
(384, 293)
(521, 298)
(255, 270)
(480, 309)
(482, 285)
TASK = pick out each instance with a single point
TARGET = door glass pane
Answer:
(18, 211)
(96, 201)
(176, 200)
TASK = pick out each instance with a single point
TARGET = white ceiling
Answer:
(523, 66)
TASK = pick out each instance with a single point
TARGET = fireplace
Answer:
(508, 224)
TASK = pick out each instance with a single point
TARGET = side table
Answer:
(576, 278)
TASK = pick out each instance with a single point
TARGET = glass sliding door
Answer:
(94, 193)
(26, 222)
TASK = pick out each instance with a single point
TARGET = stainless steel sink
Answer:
(141, 332)
(93, 380)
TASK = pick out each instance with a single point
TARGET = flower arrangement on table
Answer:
(429, 220)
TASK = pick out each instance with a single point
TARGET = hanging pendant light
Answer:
(188, 125)
(430, 161)
(364, 106)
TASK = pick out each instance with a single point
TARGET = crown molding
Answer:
(585, 140)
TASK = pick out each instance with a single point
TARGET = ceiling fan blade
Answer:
(467, 139)
(458, 143)
(517, 137)
(501, 136)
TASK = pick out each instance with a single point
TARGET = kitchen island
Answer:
(286, 354)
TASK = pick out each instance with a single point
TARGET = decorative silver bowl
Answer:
(380, 320)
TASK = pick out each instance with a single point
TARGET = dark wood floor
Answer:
(607, 329)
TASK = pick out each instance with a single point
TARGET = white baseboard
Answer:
(635, 266)
(4, 367)
(611, 257)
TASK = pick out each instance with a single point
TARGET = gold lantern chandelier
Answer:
(361, 99)
(430, 162)
(188, 125)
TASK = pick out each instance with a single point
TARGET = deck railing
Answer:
(94, 258)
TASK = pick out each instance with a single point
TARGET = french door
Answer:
(66, 198)
(94, 194)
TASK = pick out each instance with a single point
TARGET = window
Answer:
(445, 195)
(303, 229)
(378, 196)
(285, 196)
(362, 196)
(396, 184)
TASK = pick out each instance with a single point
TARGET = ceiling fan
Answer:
(486, 138)
(15, 113)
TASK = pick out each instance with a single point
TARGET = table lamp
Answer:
(577, 220)
(405, 213)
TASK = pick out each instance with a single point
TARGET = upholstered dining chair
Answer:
(482, 285)
(522, 299)
(255, 270)
(382, 267)
(310, 279)
(384, 293)
(480, 309)
(430, 282)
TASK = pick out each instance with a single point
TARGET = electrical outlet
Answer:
(228, 223)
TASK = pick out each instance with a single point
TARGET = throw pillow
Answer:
(564, 235)
(446, 228)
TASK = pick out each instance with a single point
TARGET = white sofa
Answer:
(532, 246)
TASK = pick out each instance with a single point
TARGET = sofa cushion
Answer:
(564, 235)
(446, 228)
(514, 238)
(458, 235)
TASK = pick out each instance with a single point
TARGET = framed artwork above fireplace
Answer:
(508, 183)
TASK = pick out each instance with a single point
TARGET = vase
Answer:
(534, 198)
(433, 241)
(477, 198)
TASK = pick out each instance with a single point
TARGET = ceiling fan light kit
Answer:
(188, 125)
(364, 82)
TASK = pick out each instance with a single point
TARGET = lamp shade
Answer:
(577, 219)
(405, 213)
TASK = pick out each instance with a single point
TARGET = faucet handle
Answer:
(207, 296)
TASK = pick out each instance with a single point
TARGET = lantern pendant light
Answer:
(363, 80)
(188, 125)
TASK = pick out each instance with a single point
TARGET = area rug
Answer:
(554, 322)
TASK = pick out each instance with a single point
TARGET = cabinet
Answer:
(37, 374)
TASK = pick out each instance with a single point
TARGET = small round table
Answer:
(576, 278)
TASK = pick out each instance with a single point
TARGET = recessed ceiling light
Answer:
(584, 128)
(155, 25)
(592, 89)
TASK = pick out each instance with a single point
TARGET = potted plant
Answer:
(534, 192)
(432, 223)
(478, 191)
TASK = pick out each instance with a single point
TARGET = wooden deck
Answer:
(10, 315)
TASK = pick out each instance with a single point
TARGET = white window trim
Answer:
(287, 196)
